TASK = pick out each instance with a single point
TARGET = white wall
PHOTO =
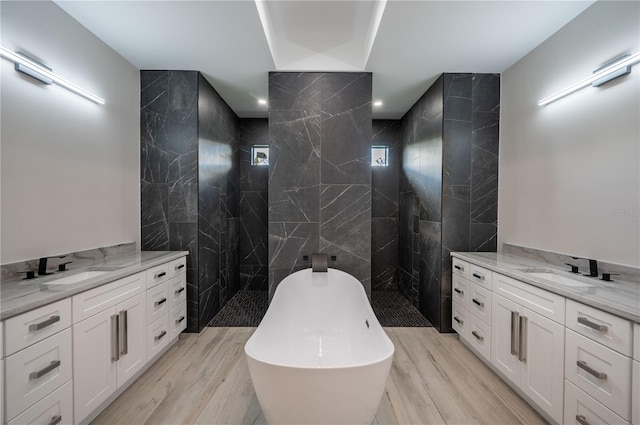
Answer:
(69, 167)
(570, 171)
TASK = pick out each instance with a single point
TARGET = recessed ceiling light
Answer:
(377, 103)
(262, 101)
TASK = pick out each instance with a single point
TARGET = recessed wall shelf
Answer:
(379, 156)
(260, 155)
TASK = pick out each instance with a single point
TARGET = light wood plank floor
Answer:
(204, 379)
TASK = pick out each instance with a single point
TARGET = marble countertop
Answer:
(617, 297)
(18, 296)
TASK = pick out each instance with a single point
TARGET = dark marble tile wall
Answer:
(448, 186)
(253, 210)
(319, 174)
(190, 184)
(385, 185)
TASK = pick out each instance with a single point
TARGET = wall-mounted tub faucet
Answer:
(319, 263)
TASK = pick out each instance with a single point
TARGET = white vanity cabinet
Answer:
(1, 373)
(108, 345)
(38, 365)
(528, 347)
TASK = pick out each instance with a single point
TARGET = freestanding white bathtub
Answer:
(319, 355)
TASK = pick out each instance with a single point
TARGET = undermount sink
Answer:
(554, 277)
(75, 278)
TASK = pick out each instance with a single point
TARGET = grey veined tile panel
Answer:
(384, 254)
(295, 91)
(253, 229)
(289, 242)
(486, 92)
(484, 186)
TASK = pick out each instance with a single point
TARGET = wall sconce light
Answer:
(619, 67)
(42, 73)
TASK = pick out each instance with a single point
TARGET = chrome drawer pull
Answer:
(123, 342)
(481, 304)
(115, 337)
(55, 420)
(592, 325)
(582, 420)
(459, 291)
(159, 275)
(515, 332)
(50, 321)
(35, 375)
(478, 337)
(179, 290)
(459, 268)
(458, 320)
(522, 335)
(178, 267)
(583, 365)
(162, 301)
(159, 337)
(179, 320)
(478, 276)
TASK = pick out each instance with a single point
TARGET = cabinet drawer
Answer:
(460, 267)
(609, 330)
(178, 320)
(538, 300)
(57, 407)
(157, 275)
(460, 290)
(157, 302)
(480, 303)
(177, 290)
(578, 405)
(36, 371)
(158, 336)
(480, 336)
(635, 394)
(103, 297)
(36, 325)
(613, 387)
(460, 320)
(177, 267)
(481, 276)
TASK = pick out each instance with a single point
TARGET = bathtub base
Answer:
(319, 396)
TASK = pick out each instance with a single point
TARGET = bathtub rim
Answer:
(389, 349)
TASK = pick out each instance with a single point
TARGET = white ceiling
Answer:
(405, 44)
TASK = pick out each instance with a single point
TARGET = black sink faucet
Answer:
(593, 267)
(42, 265)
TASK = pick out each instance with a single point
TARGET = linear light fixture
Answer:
(619, 67)
(44, 74)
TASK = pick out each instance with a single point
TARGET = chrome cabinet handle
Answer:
(55, 420)
(592, 325)
(458, 320)
(50, 321)
(160, 302)
(181, 266)
(163, 333)
(478, 276)
(115, 338)
(459, 267)
(478, 337)
(35, 375)
(459, 291)
(479, 303)
(522, 347)
(180, 320)
(582, 420)
(583, 365)
(159, 275)
(179, 290)
(515, 332)
(123, 334)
